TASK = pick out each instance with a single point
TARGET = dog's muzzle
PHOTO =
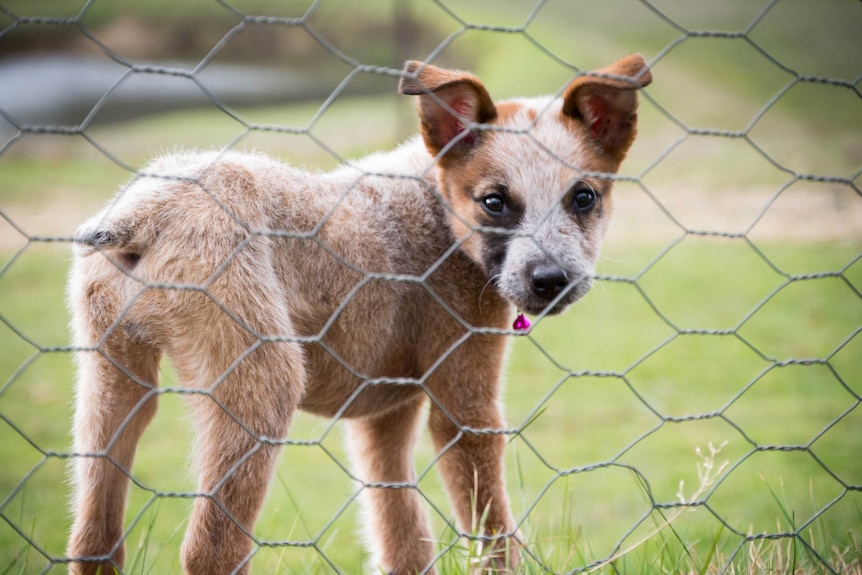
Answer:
(547, 281)
(551, 288)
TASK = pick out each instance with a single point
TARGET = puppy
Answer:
(368, 294)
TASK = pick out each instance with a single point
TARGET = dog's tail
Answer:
(129, 224)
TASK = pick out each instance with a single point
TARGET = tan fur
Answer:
(357, 294)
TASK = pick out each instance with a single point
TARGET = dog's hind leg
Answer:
(382, 449)
(238, 424)
(117, 376)
(248, 378)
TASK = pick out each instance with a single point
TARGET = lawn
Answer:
(613, 403)
(700, 405)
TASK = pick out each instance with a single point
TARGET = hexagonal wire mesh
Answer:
(698, 412)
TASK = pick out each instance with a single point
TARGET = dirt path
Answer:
(799, 214)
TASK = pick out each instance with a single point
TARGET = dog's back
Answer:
(330, 252)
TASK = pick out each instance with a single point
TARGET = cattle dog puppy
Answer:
(374, 294)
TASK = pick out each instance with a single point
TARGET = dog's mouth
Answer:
(527, 300)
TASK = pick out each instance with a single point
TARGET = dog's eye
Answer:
(583, 199)
(494, 203)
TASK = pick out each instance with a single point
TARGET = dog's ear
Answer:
(449, 101)
(606, 101)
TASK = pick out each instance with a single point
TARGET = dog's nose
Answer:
(548, 280)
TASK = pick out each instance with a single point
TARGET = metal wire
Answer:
(661, 420)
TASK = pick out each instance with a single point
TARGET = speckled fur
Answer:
(253, 277)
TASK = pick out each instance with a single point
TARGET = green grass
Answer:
(589, 388)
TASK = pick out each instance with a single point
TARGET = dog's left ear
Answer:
(449, 101)
(606, 101)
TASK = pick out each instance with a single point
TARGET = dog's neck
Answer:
(409, 160)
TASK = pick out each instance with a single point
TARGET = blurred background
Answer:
(727, 315)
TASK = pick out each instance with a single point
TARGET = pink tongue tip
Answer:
(521, 323)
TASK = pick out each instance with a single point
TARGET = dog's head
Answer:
(527, 180)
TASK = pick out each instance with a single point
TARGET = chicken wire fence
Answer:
(698, 412)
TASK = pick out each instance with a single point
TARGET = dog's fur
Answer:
(358, 294)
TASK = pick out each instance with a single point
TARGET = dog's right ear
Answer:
(606, 102)
(449, 101)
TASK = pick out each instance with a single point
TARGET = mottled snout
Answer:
(544, 286)
(546, 271)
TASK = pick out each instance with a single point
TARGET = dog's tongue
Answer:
(521, 323)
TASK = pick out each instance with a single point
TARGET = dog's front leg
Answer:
(382, 448)
(465, 416)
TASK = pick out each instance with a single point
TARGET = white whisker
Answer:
(487, 283)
